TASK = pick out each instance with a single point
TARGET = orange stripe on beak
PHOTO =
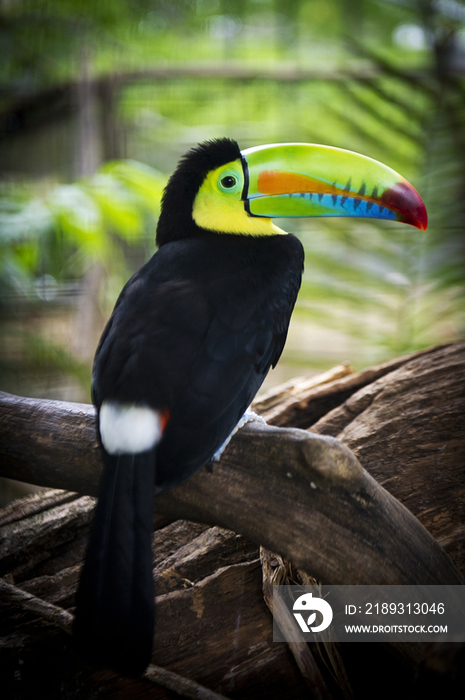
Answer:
(280, 182)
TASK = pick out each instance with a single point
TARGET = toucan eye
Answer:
(228, 181)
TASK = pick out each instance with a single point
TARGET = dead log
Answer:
(408, 430)
(317, 506)
(303, 401)
(405, 421)
(207, 577)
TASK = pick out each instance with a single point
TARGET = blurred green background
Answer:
(99, 99)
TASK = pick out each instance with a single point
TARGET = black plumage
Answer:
(193, 335)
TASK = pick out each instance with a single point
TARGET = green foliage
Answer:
(67, 227)
(385, 81)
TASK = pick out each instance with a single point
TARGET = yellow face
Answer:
(219, 207)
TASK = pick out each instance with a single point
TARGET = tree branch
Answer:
(301, 495)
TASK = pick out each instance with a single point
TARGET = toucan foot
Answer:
(248, 417)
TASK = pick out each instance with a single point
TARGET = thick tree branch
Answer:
(301, 495)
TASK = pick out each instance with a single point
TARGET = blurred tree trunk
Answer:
(113, 142)
(88, 135)
(88, 158)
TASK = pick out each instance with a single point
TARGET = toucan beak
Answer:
(299, 179)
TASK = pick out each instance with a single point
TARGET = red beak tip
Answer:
(420, 218)
(404, 199)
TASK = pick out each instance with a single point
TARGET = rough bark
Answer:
(302, 402)
(404, 420)
(317, 505)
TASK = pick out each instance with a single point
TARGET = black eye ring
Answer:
(228, 181)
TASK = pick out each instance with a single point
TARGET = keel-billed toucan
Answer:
(191, 339)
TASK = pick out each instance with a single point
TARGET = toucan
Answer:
(192, 337)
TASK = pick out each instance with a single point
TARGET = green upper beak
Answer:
(298, 179)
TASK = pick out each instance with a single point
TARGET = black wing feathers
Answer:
(245, 335)
(195, 333)
(147, 344)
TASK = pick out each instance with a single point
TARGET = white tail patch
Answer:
(129, 429)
